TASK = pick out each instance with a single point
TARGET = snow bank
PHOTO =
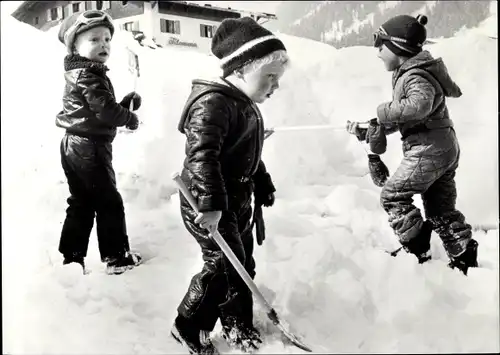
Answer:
(322, 265)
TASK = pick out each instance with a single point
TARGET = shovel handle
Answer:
(271, 313)
(228, 252)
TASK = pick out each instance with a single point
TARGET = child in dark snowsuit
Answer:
(223, 168)
(90, 116)
(431, 150)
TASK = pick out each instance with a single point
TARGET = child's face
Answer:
(94, 44)
(391, 61)
(260, 84)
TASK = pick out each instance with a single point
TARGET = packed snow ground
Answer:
(322, 265)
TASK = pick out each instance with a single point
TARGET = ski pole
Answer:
(271, 313)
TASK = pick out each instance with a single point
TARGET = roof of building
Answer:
(31, 5)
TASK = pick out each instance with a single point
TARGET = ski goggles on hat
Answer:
(380, 36)
(86, 18)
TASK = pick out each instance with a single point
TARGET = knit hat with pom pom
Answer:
(408, 28)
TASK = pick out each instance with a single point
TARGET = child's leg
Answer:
(397, 197)
(80, 213)
(238, 311)
(247, 239)
(111, 227)
(439, 203)
(209, 288)
(419, 169)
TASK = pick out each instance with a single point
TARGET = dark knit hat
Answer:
(407, 28)
(80, 22)
(240, 41)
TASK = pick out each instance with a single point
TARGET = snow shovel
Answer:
(271, 313)
(133, 67)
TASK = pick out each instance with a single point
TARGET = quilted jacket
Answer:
(420, 87)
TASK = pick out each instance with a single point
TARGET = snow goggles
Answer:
(379, 37)
(86, 18)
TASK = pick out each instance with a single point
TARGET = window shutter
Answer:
(162, 25)
(214, 29)
(135, 26)
(177, 27)
(59, 12)
(49, 11)
(202, 32)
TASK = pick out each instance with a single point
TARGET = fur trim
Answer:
(75, 61)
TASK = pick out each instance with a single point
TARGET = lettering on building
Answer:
(177, 42)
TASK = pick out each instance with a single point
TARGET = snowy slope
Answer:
(321, 266)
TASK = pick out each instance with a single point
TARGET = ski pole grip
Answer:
(187, 194)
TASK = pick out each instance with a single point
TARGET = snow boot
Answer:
(467, 259)
(197, 341)
(243, 338)
(117, 266)
(420, 245)
(68, 259)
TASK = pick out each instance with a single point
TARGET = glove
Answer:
(353, 128)
(133, 122)
(375, 136)
(132, 96)
(258, 221)
(264, 190)
(263, 196)
(378, 170)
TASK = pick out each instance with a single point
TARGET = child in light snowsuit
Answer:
(90, 116)
(223, 169)
(418, 110)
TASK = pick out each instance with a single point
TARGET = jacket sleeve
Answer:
(417, 102)
(101, 101)
(205, 131)
(390, 129)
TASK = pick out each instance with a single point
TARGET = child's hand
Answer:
(353, 128)
(209, 220)
(133, 123)
(129, 97)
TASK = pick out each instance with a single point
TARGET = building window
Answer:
(76, 7)
(131, 26)
(103, 5)
(37, 20)
(168, 26)
(207, 31)
(53, 14)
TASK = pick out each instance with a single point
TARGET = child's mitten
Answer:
(375, 137)
(133, 122)
(132, 96)
(378, 170)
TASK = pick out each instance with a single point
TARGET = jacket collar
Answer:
(75, 61)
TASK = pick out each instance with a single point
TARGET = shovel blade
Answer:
(293, 338)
